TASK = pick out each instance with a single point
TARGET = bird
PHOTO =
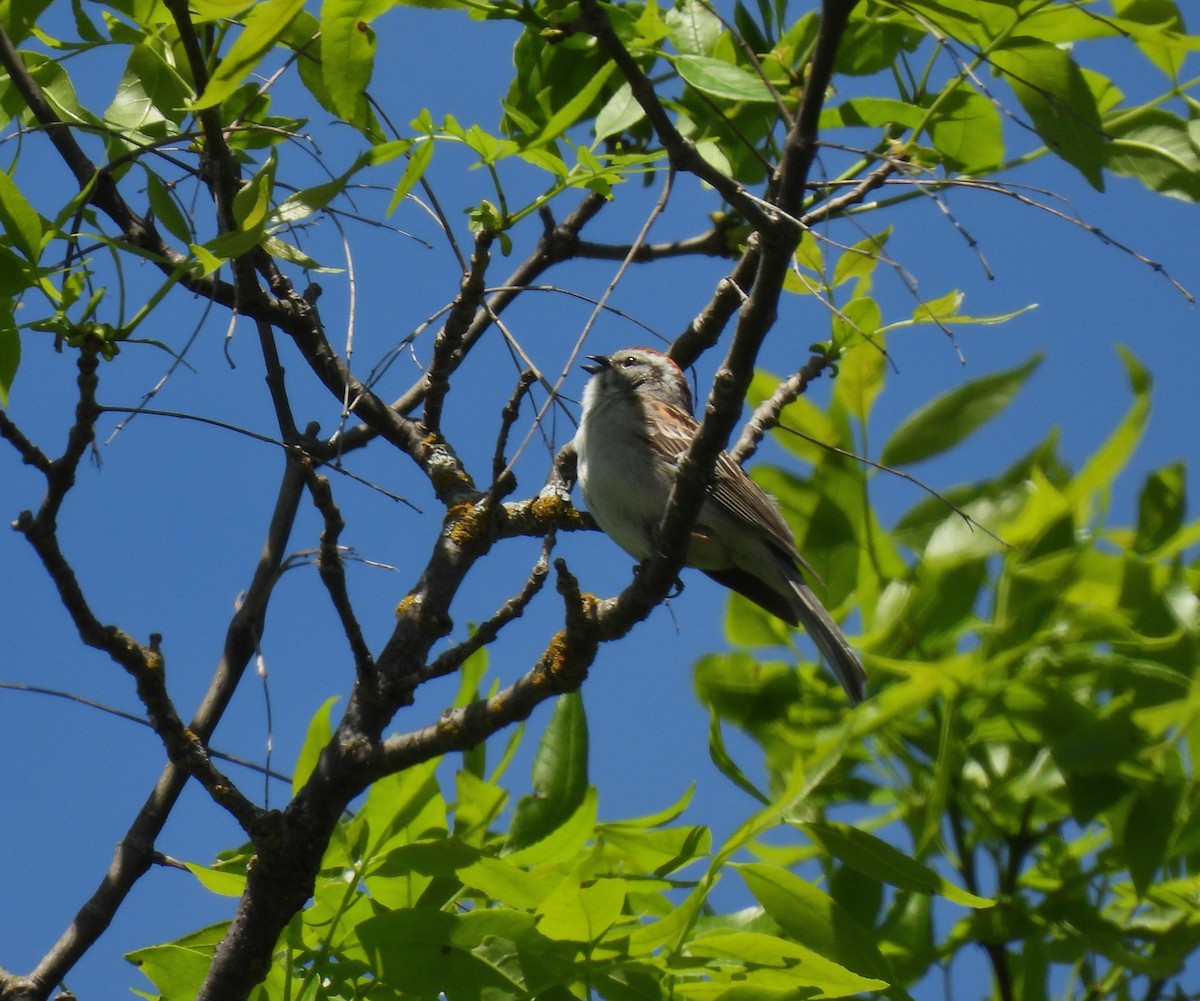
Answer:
(637, 423)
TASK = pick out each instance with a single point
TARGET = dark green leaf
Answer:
(560, 777)
(1147, 831)
(10, 350)
(165, 209)
(1162, 507)
(720, 757)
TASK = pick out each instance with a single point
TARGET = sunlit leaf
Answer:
(815, 920)
(1107, 461)
(348, 54)
(418, 163)
(874, 857)
(263, 26)
(945, 421)
(177, 971)
(19, 220)
(1158, 148)
(695, 28)
(718, 78)
(966, 130)
(1052, 90)
(320, 732)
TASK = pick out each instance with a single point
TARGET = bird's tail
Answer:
(834, 646)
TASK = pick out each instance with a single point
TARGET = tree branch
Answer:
(333, 574)
(448, 342)
(135, 851)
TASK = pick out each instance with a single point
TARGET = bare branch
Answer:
(30, 454)
(451, 660)
(766, 415)
(562, 667)
(333, 575)
(558, 243)
(448, 341)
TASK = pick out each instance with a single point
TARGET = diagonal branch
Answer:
(772, 248)
(448, 342)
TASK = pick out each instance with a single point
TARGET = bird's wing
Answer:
(732, 487)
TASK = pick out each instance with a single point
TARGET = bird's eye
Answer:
(628, 361)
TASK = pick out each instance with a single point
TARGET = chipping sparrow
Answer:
(637, 424)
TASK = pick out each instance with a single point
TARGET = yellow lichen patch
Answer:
(555, 656)
(407, 605)
(554, 508)
(464, 523)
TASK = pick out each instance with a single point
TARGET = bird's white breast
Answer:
(624, 489)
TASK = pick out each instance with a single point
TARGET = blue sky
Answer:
(165, 530)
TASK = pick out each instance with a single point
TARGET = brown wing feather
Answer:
(732, 487)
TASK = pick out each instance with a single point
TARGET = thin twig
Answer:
(57, 693)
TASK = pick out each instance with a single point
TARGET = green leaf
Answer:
(656, 852)
(945, 421)
(348, 55)
(1163, 45)
(1162, 507)
(414, 170)
(1147, 831)
(720, 757)
(10, 349)
(176, 971)
(669, 930)
(872, 111)
(581, 913)
(574, 109)
(815, 920)
(166, 211)
(264, 24)
(718, 78)
(320, 732)
(252, 203)
(966, 130)
(695, 28)
(508, 884)
(221, 881)
(861, 374)
(1158, 148)
(19, 220)
(560, 778)
(620, 113)
(1050, 86)
(563, 844)
(859, 259)
(425, 953)
(806, 968)
(1110, 458)
(874, 857)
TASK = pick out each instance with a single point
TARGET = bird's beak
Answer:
(599, 364)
